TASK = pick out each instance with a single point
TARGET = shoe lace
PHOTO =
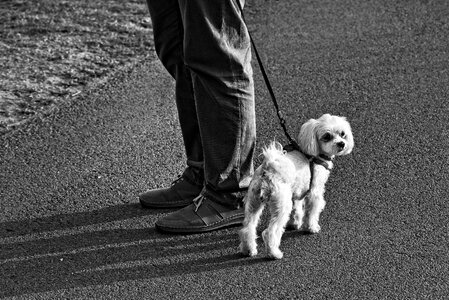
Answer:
(198, 201)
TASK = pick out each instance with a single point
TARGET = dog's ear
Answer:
(307, 137)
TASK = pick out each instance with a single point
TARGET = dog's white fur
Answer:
(284, 178)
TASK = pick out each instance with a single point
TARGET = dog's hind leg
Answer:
(248, 234)
(280, 210)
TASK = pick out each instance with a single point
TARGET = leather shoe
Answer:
(202, 215)
(180, 194)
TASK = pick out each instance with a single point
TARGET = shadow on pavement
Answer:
(65, 252)
(72, 220)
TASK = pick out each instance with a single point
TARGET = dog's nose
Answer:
(340, 145)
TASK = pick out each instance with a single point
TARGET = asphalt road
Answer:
(71, 226)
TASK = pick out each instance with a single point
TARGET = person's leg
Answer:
(217, 52)
(168, 38)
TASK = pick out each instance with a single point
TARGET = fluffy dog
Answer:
(294, 180)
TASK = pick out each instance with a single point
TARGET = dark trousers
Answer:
(205, 46)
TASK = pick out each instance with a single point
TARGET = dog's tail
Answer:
(277, 169)
(272, 152)
(274, 161)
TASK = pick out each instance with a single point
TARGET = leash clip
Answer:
(280, 114)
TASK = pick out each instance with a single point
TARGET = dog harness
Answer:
(321, 159)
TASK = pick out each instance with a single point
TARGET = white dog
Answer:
(294, 180)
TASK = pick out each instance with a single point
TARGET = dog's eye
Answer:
(326, 137)
(342, 134)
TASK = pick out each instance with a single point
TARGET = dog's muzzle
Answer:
(340, 146)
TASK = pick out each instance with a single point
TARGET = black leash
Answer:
(293, 145)
(268, 84)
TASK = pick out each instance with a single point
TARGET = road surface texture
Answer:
(71, 226)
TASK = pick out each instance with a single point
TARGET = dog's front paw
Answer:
(314, 228)
(294, 224)
(248, 250)
(275, 254)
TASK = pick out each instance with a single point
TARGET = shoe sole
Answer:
(237, 221)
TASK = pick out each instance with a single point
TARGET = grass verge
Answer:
(50, 51)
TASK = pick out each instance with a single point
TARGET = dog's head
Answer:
(328, 135)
